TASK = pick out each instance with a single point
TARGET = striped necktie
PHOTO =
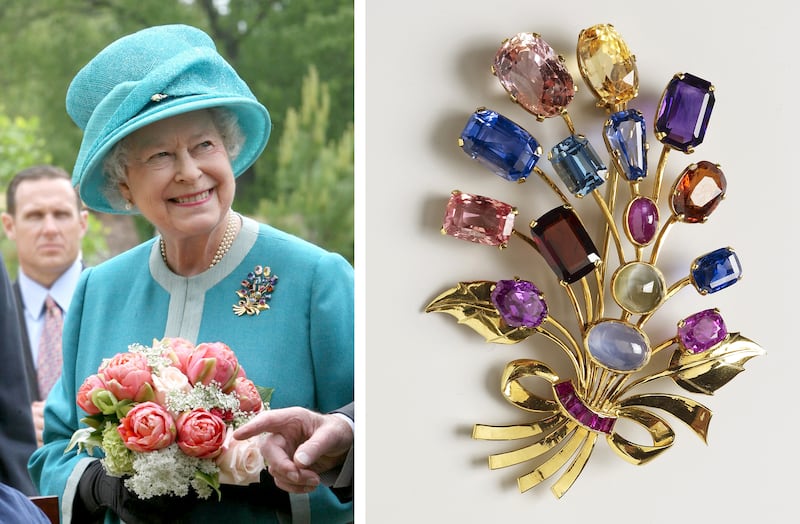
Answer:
(48, 364)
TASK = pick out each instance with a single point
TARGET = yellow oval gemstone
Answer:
(607, 65)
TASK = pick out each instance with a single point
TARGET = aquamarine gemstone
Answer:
(625, 134)
(578, 165)
(499, 144)
(716, 270)
(618, 346)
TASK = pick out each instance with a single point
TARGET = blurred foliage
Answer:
(272, 44)
(312, 204)
(21, 146)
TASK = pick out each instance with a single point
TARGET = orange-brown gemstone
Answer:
(698, 191)
(607, 65)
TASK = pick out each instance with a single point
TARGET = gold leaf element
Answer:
(691, 413)
(708, 371)
(470, 303)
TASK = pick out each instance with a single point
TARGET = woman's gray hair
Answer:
(116, 161)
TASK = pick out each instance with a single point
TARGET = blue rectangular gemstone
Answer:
(578, 165)
(716, 270)
(499, 144)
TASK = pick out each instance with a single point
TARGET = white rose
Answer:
(171, 379)
(240, 462)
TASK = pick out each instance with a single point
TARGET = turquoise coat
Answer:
(302, 346)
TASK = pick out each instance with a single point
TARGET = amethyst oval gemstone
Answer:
(501, 145)
(478, 219)
(534, 75)
(715, 271)
(702, 331)
(641, 220)
(519, 303)
(684, 112)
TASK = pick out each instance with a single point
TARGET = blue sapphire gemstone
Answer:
(624, 133)
(716, 270)
(684, 112)
(502, 146)
(578, 165)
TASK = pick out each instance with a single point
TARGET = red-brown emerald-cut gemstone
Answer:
(479, 219)
(698, 191)
(565, 245)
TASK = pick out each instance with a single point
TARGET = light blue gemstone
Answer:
(625, 134)
(618, 346)
(502, 146)
(716, 270)
(578, 165)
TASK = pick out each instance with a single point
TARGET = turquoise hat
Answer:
(148, 76)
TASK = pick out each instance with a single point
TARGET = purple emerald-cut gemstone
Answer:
(685, 109)
(499, 144)
(578, 165)
(519, 303)
(716, 270)
(572, 403)
(561, 239)
(641, 220)
(624, 132)
(701, 331)
(478, 219)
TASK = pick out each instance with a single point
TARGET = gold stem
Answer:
(550, 183)
(568, 121)
(663, 345)
(611, 391)
(672, 220)
(600, 294)
(575, 305)
(611, 198)
(574, 353)
(526, 238)
(662, 164)
(670, 292)
(610, 224)
(587, 298)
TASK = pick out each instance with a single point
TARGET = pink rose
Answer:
(249, 398)
(215, 362)
(92, 384)
(147, 427)
(201, 433)
(170, 380)
(127, 376)
(241, 461)
(178, 351)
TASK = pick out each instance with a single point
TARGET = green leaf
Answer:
(212, 479)
(265, 393)
(471, 305)
(708, 371)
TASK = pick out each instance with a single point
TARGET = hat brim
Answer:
(253, 119)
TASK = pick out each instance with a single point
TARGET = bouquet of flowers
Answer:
(164, 416)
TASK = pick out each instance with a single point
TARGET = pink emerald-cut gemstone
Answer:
(702, 331)
(478, 219)
(567, 248)
(573, 404)
(519, 303)
(698, 192)
(534, 75)
(641, 220)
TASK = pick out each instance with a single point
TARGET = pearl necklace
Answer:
(224, 245)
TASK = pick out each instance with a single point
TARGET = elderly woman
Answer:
(168, 126)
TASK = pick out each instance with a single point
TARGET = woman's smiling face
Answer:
(179, 174)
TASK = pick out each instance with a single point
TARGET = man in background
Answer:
(16, 430)
(46, 220)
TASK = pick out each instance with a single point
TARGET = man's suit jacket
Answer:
(27, 356)
(17, 437)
